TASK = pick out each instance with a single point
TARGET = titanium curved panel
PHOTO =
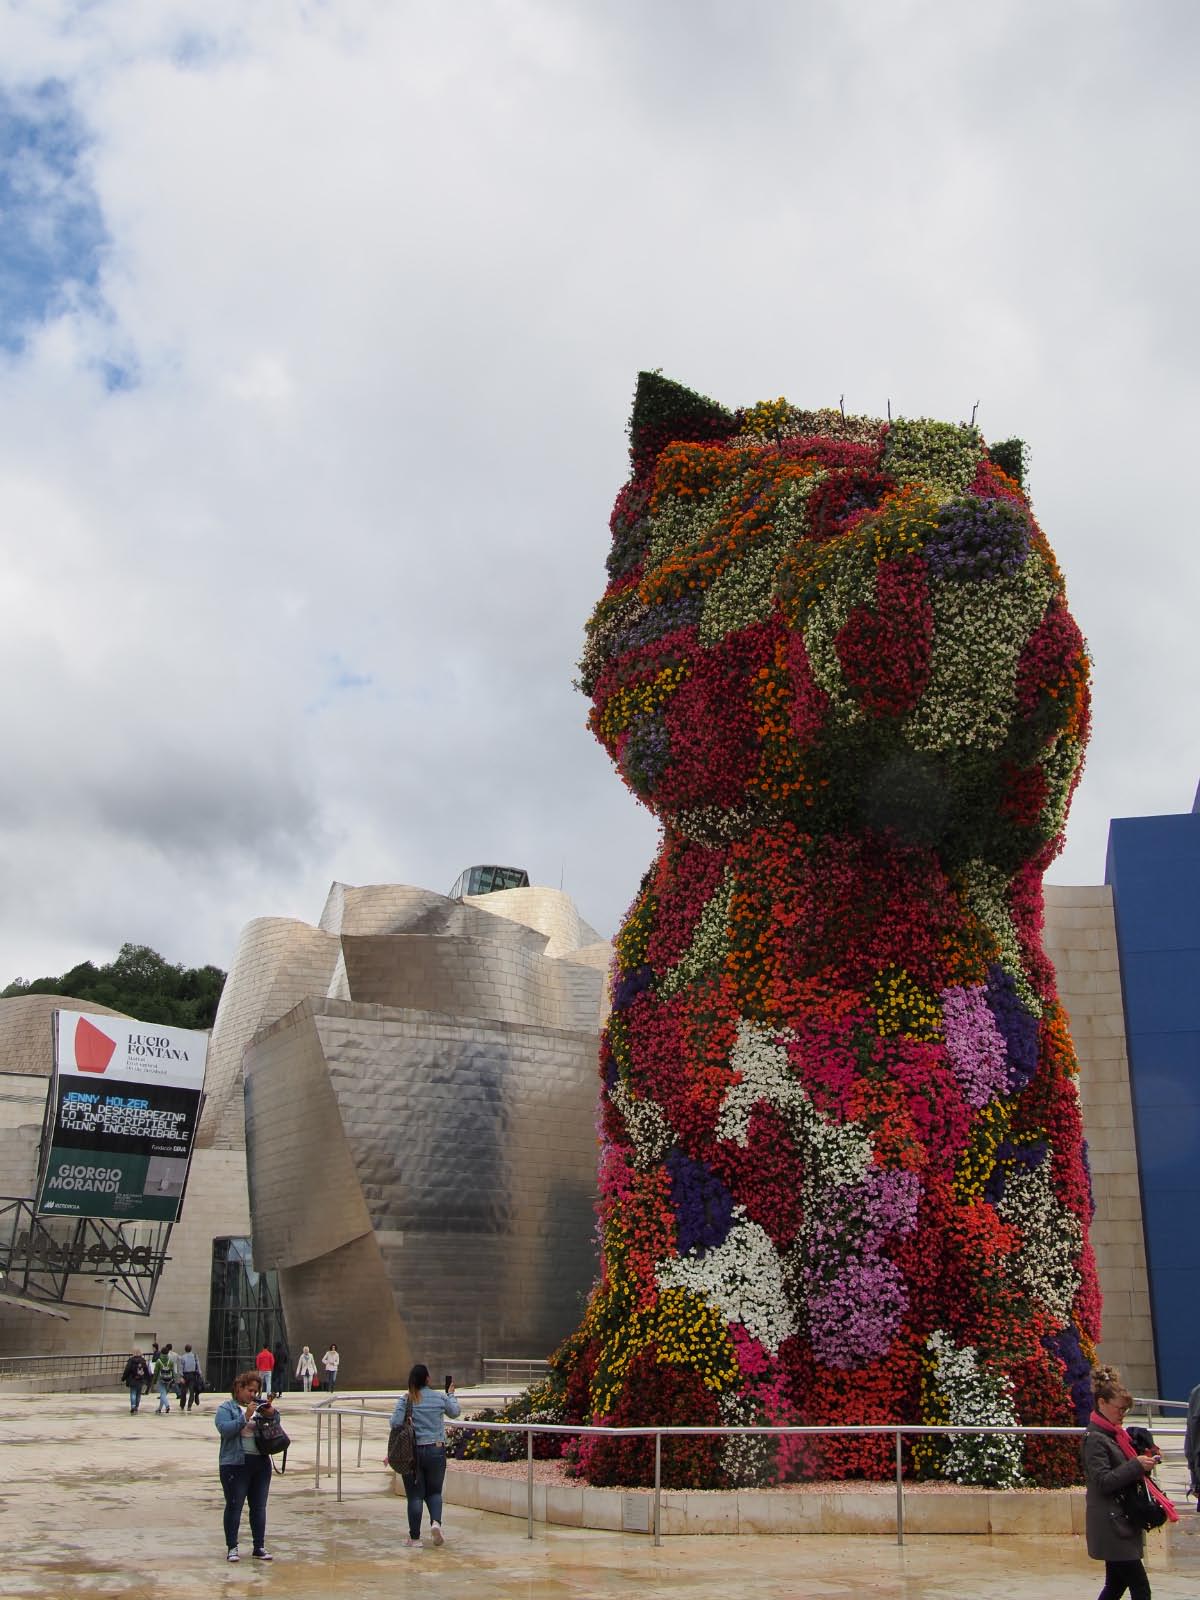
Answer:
(472, 1145)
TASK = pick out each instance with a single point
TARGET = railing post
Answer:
(362, 1422)
(657, 1489)
(317, 1461)
(339, 1455)
(899, 1488)
(529, 1471)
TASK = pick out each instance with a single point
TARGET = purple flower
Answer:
(975, 1045)
(978, 539)
(630, 985)
(1065, 1345)
(1018, 1026)
(703, 1205)
(853, 1320)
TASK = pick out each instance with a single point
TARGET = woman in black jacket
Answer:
(1111, 1463)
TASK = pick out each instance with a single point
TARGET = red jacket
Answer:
(264, 1361)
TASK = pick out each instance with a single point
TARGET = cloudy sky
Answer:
(319, 325)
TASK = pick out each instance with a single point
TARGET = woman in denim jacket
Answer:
(430, 1408)
(245, 1474)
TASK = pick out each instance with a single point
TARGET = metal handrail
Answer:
(899, 1431)
(61, 1365)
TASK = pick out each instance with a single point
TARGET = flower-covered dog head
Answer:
(850, 623)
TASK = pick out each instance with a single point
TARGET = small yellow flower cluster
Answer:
(688, 1332)
(634, 938)
(768, 418)
(638, 700)
(903, 1008)
(685, 1331)
(977, 1160)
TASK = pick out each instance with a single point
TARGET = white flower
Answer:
(834, 1153)
(646, 1125)
(1053, 1239)
(975, 1394)
(742, 1278)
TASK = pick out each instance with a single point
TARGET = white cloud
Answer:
(385, 274)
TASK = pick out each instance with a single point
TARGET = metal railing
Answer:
(63, 1366)
(505, 1369)
(898, 1432)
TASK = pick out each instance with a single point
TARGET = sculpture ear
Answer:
(1011, 456)
(664, 411)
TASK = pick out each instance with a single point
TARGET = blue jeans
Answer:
(164, 1395)
(424, 1486)
(135, 1395)
(251, 1481)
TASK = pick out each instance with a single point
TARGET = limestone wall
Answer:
(1081, 940)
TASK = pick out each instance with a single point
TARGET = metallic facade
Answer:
(420, 1137)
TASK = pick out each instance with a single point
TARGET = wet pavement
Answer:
(96, 1502)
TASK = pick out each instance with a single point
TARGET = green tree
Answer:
(140, 983)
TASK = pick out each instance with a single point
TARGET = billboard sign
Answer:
(125, 1103)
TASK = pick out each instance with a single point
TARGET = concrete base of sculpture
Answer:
(850, 1508)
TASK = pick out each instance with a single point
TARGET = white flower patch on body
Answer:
(646, 1125)
(975, 1395)
(1053, 1238)
(979, 631)
(709, 945)
(742, 1278)
(835, 1153)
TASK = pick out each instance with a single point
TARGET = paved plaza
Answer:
(96, 1503)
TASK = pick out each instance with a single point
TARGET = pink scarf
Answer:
(1125, 1445)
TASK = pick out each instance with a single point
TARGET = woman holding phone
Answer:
(429, 1408)
(245, 1473)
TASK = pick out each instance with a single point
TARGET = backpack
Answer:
(270, 1437)
(402, 1444)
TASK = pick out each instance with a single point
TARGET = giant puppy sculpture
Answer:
(842, 1174)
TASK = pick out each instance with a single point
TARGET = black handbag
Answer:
(1139, 1508)
(402, 1444)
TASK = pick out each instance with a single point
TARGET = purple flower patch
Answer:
(703, 1205)
(1018, 1027)
(1065, 1345)
(854, 1320)
(974, 1044)
(978, 539)
(630, 985)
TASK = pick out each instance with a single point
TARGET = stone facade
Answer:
(1081, 940)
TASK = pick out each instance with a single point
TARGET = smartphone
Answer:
(449, 1381)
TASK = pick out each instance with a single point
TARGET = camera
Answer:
(448, 1383)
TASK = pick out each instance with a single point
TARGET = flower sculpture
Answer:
(842, 1176)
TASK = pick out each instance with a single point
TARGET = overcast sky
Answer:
(319, 325)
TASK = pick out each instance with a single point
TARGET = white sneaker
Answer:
(435, 1529)
(232, 1555)
(413, 1544)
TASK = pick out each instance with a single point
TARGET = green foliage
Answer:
(141, 984)
(663, 410)
(1011, 456)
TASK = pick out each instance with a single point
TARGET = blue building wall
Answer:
(1154, 871)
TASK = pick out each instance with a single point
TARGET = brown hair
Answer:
(246, 1377)
(1107, 1385)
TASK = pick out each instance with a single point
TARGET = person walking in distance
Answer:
(245, 1473)
(189, 1363)
(164, 1376)
(265, 1362)
(136, 1373)
(430, 1408)
(306, 1369)
(330, 1363)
